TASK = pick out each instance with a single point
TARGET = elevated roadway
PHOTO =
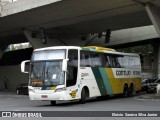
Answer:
(73, 17)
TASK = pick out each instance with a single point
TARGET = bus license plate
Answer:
(44, 96)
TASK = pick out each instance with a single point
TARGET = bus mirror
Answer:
(64, 65)
(23, 66)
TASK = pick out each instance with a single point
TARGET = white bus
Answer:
(71, 73)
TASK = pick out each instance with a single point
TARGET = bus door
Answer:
(72, 73)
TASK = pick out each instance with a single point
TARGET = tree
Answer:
(138, 49)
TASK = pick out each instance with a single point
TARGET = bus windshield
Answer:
(49, 55)
(46, 73)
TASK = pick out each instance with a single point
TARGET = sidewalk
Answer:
(149, 96)
(8, 94)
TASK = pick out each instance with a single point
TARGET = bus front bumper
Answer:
(52, 96)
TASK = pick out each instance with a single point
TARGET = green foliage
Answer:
(137, 49)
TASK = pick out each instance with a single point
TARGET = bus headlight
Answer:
(60, 89)
(31, 90)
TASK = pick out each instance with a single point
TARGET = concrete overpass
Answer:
(69, 18)
(64, 21)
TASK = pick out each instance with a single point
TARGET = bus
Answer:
(78, 73)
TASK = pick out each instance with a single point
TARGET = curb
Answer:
(152, 97)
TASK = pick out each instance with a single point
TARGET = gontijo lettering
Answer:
(123, 72)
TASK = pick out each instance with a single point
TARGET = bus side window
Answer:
(85, 59)
(137, 63)
(125, 61)
(82, 59)
(96, 60)
(106, 61)
(117, 62)
(131, 62)
(112, 61)
(120, 61)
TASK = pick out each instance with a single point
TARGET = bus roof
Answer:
(107, 50)
(58, 47)
(89, 48)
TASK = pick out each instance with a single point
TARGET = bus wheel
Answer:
(131, 89)
(125, 91)
(83, 96)
(53, 103)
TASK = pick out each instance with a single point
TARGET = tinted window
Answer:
(157, 81)
(73, 57)
(72, 67)
(85, 59)
(106, 60)
(96, 60)
(137, 63)
(112, 61)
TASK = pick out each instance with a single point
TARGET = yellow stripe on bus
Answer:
(112, 80)
(53, 88)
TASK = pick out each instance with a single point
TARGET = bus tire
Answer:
(83, 96)
(131, 89)
(125, 91)
(53, 103)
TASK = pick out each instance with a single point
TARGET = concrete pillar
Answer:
(155, 59)
(154, 14)
(37, 42)
(147, 62)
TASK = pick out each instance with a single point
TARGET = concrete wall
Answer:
(13, 77)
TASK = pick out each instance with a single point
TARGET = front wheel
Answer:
(83, 96)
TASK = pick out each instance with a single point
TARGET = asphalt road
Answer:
(22, 103)
(13, 102)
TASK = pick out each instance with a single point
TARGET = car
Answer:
(22, 89)
(158, 89)
(149, 85)
(156, 85)
(157, 81)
